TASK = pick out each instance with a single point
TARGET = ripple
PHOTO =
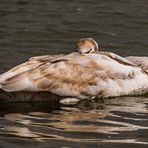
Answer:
(37, 27)
(82, 123)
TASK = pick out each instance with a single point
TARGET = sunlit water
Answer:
(35, 27)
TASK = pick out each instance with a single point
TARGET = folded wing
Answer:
(139, 61)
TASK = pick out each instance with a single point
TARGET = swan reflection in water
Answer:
(88, 121)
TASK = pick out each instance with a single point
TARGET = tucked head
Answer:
(87, 45)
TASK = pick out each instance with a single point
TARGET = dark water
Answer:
(35, 27)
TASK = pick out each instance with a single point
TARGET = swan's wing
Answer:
(29, 65)
(130, 60)
(139, 61)
(33, 63)
(45, 57)
(66, 77)
(52, 58)
(118, 58)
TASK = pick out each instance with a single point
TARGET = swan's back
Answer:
(57, 75)
(140, 61)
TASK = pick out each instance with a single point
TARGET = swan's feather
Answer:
(45, 57)
(77, 75)
(118, 58)
(140, 61)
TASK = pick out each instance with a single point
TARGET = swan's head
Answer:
(87, 45)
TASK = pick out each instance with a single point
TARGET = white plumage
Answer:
(139, 61)
(101, 74)
(88, 73)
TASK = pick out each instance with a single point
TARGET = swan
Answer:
(77, 75)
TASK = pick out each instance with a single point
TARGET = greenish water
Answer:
(29, 28)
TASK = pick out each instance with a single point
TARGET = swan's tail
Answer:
(15, 79)
(7, 83)
(18, 83)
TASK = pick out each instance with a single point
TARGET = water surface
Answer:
(114, 122)
(36, 27)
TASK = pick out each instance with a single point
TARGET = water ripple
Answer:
(82, 123)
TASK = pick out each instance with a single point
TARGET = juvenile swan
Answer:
(78, 75)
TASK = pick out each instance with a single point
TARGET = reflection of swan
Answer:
(113, 116)
(101, 74)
